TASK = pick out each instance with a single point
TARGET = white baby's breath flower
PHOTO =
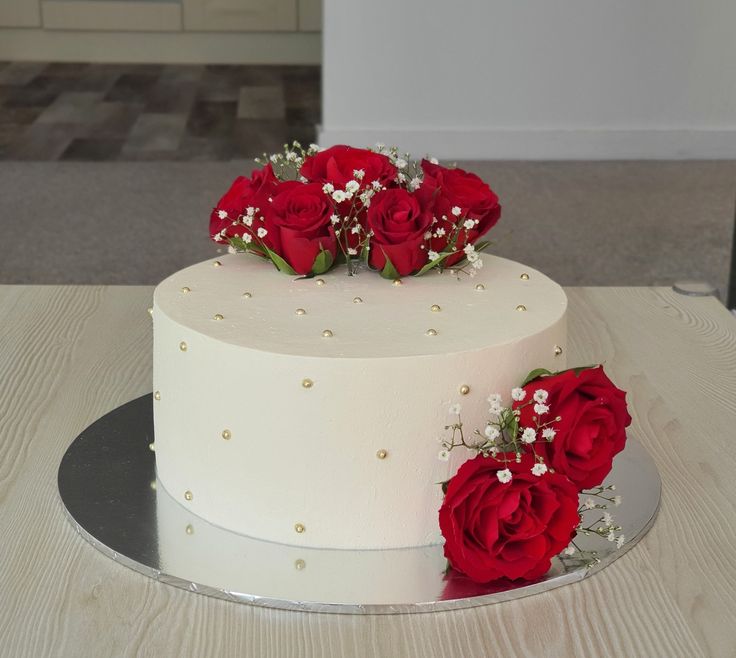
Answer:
(440, 232)
(274, 158)
(313, 147)
(379, 146)
(455, 409)
(434, 160)
(589, 503)
(328, 188)
(529, 435)
(504, 476)
(539, 469)
(415, 183)
(607, 518)
(355, 229)
(541, 409)
(495, 398)
(570, 550)
(433, 255)
(427, 235)
(477, 263)
(290, 156)
(401, 178)
(376, 185)
(540, 395)
(456, 210)
(339, 196)
(232, 250)
(247, 238)
(443, 455)
(496, 409)
(222, 214)
(518, 394)
(358, 174)
(352, 186)
(302, 179)
(548, 433)
(352, 251)
(401, 163)
(620, 541)
(248, 220)
(262, 232)
(611, 536)
(492, 432)
(335, 219)
(617, 500)
(468, 224)
(250, 211)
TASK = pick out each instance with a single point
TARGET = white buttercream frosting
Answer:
(301, 453)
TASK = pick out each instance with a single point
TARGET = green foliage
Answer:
(437, 261)
(389, 271)
(323, 262)
(280, 263)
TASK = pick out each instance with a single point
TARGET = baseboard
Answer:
(489, 144)
(160, 47)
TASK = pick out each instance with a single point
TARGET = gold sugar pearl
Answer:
(398, 282)
(300, 311)
(307, 383)
(247, 295)
(150, 310)
(431, 332)
(327, 334)
(300, 564)
(299, 527)
(524, 277)
(435, 308)
(188, 495)
(186, 289)
(218, 316)
(521, 307)
(183, 346)
(157, 395)
(226, 434)
(189, 529)
(217, 263)
(152, 447)
(382, 454)
(153, 485)
(558, 350)
(320, 282)
(464, 389)
(357, 300)
(480, 287)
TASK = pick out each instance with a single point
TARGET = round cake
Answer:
(309, 411)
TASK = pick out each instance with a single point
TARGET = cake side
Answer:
(323, 446)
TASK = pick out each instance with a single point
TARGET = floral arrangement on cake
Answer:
(515, 505)
(308, 210)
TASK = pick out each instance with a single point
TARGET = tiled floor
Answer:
(153, 112)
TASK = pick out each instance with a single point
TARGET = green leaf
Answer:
(480, 246)
(246, 247)
(280, 263)
(434, 263)
(323, 262)
(389, 271)
(536, 374)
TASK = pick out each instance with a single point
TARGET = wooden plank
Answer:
(117, 15)
(69, 354)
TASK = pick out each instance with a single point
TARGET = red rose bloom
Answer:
(494, 530)
(243, 192)
(449, 188)
(300, 214)
(336, 165)
(398, 222)
(592, 429)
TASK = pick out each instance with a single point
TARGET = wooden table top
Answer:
(70, 354)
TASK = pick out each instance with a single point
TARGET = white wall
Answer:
(533, 78)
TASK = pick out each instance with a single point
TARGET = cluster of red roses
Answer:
(346, 203)
(504, 518)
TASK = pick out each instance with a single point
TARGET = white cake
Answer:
(309, 411)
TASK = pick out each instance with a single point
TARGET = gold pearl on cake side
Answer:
(157, 395)
(300, 564)
(300, 311)
(217, 263)
(218, 316)
(431, 332)
(189, 529)
(188, 495)
(320, 282)
(299, 528)
(357, 300)
(521, 307)
(307, 383)
(152, 447)
(558, 350)
(226, 434)
(183, 346)
(150, 310)
(327, 333)
(464, 389)
(435, 308)
(153, 485)
(480, 287)
(186, 289)
(247, 295)
(524, 277)
(398, 282)
(382, 453)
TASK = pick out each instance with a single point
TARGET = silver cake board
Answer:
(107, 482)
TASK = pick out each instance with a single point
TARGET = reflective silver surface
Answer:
(107, 482)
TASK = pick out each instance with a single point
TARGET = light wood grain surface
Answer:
(70, 354)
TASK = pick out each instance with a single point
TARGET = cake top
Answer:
(242, 300)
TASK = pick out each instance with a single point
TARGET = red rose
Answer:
(494, 530)
(243, 193)
(399, 223)
(450, 188)
(300, 214)
(336, 165)
(592, 429)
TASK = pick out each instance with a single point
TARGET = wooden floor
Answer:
(153, 112)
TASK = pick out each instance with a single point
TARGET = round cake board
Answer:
(107, 482)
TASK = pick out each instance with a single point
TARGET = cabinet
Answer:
(20, 13)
